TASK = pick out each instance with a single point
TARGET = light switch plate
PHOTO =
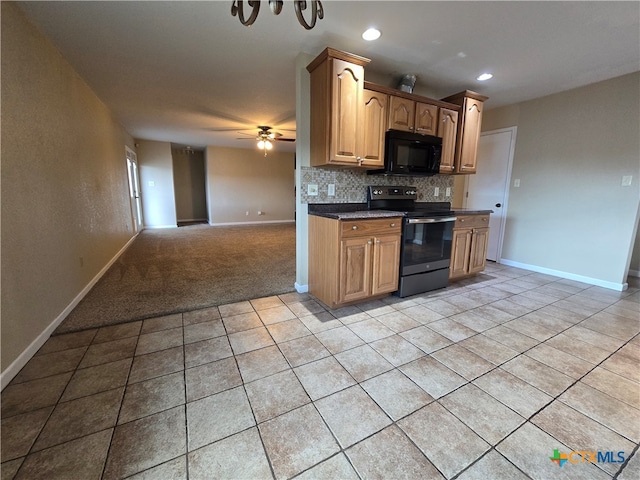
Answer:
(516, 183)
(312, 189)
(626, 180)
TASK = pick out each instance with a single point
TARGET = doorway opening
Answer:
(134, 189)
(189, 184)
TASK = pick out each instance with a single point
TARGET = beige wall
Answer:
(189, 182)
(570, 213)
(65, 205)
(156, 184)
(635, 257)
(241, 180)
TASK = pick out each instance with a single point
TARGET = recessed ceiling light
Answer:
(484, 76)
(371, 34)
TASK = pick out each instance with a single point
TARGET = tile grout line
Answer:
(356, 382)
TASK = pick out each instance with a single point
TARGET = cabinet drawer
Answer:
(359, 228)
(472, 221)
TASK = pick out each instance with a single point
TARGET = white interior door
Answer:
(489, 188)
(134, 189)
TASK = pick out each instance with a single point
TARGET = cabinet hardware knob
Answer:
(355, 227)
(462, 219)
(392, 225)
(369, 242)
(377, 241)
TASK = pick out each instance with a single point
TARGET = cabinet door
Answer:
(460, 249)
(346, 111)
(386, 264)
(426, 121)
(478, 257)
(355, 269)
(470, 136)
(448, 125)
(374, 127)
(401, 114)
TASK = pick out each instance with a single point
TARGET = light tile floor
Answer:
(482, 380)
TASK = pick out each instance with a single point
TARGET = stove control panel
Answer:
(392, 193)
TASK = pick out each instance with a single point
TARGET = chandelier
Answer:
(317, 12)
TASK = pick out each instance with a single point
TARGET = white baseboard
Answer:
(231, 224)
(570, 276)
(12, 370)
(301, 288)
(152, 227)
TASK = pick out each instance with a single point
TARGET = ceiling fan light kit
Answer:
(317, 11)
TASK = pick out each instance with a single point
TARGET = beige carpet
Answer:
(177, 270)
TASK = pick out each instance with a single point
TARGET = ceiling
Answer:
(182, 71)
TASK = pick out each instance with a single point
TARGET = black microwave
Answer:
(408, 153)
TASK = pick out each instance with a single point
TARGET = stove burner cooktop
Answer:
(403, 199)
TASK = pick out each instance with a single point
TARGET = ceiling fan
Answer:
(266, 137)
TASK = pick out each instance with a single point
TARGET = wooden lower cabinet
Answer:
(469, 245)
(351, 261)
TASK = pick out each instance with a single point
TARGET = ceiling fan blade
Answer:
(229, 129)
(285, 139)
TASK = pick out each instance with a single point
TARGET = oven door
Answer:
(426, 244)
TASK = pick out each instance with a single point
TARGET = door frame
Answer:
(133, 187)
(506, 187)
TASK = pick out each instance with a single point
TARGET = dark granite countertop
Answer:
(358, 211)
(468, 211)
(349, 211)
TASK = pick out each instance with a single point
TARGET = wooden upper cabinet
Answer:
(349, 117)
(374, 128)
(337, 108)
(468, 131)
(402, 114)
(447, 127)
(426, 121)
(411, 116)
(347, 108)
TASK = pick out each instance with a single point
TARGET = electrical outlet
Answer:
(626, 180)
(312, 189)
(516, 183)
(331, 190)
(247, 213)
(447, 192)
(436, 192)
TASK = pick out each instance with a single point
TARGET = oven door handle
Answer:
(432, 220)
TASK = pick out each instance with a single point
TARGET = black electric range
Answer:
(427, 233)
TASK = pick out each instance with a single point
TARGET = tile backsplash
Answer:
(350, 185)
